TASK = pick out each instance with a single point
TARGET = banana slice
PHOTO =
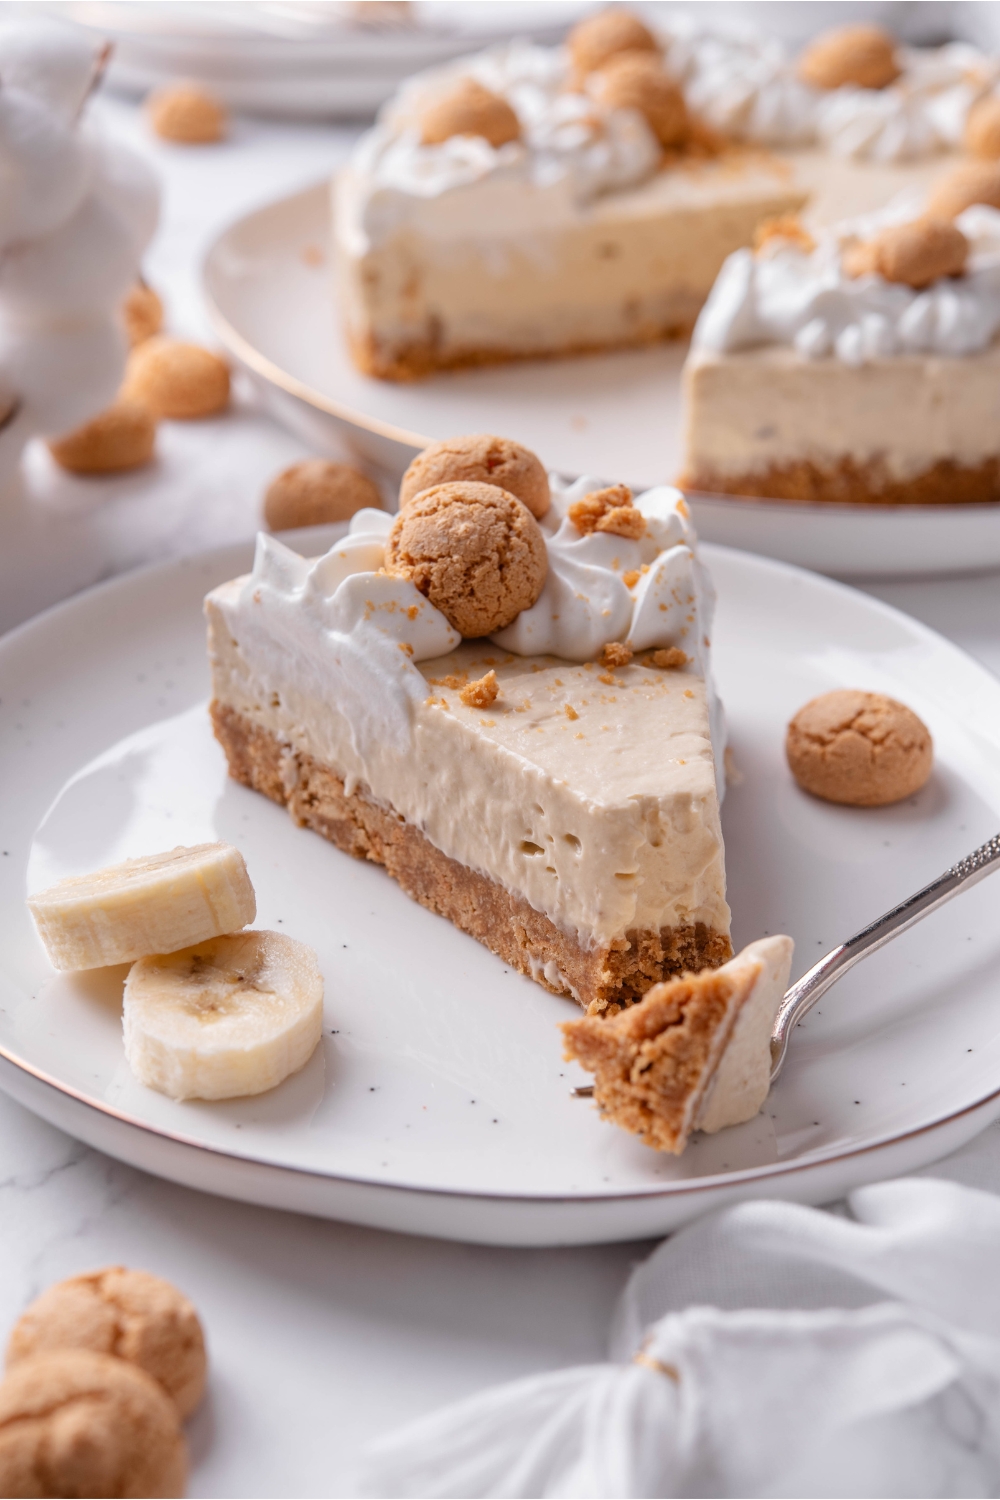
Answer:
(231, 1016)
(150, 905)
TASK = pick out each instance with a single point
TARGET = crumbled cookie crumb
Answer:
(787, 228)
(570, 711)
(609, 510)
(616, 654)
(669, 658)
(482, 692)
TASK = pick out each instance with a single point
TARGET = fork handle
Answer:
(813, 986)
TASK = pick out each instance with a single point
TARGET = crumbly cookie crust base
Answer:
(650, 1065)
(602, 980)
(419, 360)
(850, 483)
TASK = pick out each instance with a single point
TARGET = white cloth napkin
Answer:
(768, 1349)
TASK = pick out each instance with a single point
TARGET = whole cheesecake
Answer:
(551, 784)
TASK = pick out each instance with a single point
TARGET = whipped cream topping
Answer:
(790, 295)
(569, 148)
(356, 632)
(651, 591)
(745, 85)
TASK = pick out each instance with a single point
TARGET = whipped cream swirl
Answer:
(355, 632)
(790, 295)
(569, 148)
(746, 86)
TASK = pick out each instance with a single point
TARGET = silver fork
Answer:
(804, 994)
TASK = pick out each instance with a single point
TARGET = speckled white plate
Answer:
(270, 294)
(438, 1102)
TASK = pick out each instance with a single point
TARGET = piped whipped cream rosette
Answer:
(749, 87)
(76, 213)
(803, 294)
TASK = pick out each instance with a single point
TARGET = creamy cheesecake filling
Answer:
(569, 238)
(591, 792)
(602, 827)
(525, 268)
(766, 421)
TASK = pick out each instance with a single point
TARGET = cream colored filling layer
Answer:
(841, 188)
(463, 273)
(594, 799)
(759, 409)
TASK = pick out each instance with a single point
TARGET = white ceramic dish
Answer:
(438, 1102)
(269, 289)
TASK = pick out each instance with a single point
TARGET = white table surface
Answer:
(321, 1336)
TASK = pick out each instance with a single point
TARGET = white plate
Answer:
(269, 289)
(303, 61)
(438, 1102)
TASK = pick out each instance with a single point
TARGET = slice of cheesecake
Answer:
(551, 789)
(533, 201)
(694, 1054)
(857, 366)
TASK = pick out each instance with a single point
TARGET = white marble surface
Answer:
(321, 1336)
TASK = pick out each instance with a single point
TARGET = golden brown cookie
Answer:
(142, 312)
(123, 437)
(131, 1314)
(862, 55)
(859, 748)
(914, 254)
(474, 550)
(972, 182)
(638, 80)
(594, 40)
(77, 1423)
(982, 128)
(469, 109)
(316, 492)
(485, 459)
(177, 380)
(186, 114)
